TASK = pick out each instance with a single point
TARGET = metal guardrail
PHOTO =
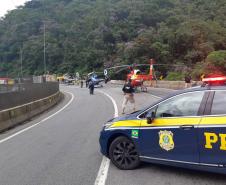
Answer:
(19, 94)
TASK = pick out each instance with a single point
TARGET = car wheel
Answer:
(123, 154)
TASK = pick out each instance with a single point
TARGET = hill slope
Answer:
(82, 35)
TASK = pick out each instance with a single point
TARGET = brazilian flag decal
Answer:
(135, 133)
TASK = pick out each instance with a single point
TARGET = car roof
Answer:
(178, 92)
(200, 88)
(193, 89)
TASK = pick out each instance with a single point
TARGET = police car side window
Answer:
(144, 115)
(219, 102)
(183, 105)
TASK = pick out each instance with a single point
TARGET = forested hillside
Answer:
(85, 35)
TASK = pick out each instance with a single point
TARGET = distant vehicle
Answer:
(6, 81)
(66, 79)
(186, 129)
(96, 79)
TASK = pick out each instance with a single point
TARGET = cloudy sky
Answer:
(6, 5)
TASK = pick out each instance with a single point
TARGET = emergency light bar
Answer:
(215, 79)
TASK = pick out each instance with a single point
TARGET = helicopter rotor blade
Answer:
(117, 67)
(121, 70)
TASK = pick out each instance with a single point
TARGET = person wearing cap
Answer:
(128, 91)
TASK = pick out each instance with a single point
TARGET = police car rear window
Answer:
(219, 103)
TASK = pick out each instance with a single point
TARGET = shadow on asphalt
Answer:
(183, 172)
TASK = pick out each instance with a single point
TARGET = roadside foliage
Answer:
(85, 35)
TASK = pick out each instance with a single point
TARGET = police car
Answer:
(186, 129)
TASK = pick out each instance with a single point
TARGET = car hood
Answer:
(131, 116)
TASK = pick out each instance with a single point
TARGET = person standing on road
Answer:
(187, 80)
(91, 87)
(128, 95)
(81, 83)
(87, 82)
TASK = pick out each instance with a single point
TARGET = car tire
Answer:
(123, 154)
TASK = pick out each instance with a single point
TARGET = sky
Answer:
(6, 5)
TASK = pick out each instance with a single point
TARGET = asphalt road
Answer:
(64, 149)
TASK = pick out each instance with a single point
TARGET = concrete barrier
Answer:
(5, 120)
(25, 93)
(161, 84)
(17, 115)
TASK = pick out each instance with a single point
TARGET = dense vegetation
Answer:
(85, 35)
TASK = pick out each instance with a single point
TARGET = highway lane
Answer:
(65, 149)
(61, 150)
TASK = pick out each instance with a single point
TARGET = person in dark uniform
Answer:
(128, 91)
(87, 82)
(91, 87)
(81, 83)
(187, 80)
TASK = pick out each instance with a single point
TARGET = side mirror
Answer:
(150, 117)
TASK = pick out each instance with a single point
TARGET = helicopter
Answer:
(96, 79)
(137, 77)
(135, 74)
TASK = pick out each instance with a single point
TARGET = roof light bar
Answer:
(214, 79)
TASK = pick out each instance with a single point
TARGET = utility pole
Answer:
(21, 62)
(44, 48)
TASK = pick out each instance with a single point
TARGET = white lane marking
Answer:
(158, 97)
(113, 101)
(103, 170)
(45, 119)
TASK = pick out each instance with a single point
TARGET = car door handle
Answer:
(187, 127)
